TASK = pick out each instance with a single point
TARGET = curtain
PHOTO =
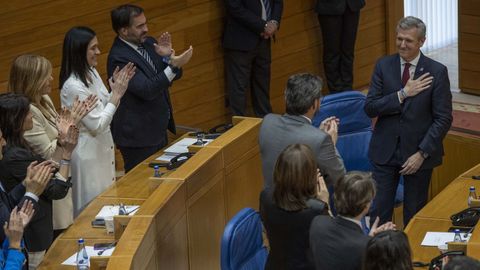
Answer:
(441, 18)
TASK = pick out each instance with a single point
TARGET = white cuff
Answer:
(31, 195)
(169, 73)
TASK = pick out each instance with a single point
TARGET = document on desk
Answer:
(112, 210)
(434, 239)
(182, 146)
(72, 260)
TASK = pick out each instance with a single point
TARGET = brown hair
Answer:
(353, 193)
(295, 177)
(28, 75)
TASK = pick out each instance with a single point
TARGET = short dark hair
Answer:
(122, 16)
(301, 92)
(462, 263)
(388, 250)
(353, 193)
(14, 108)
(295, 177)
(74, 56)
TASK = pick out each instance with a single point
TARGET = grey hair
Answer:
(410, 22)
(301, 92)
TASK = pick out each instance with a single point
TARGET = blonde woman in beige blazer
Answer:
(31, 75)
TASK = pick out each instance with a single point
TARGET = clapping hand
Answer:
(322, 190)
(38, 176)
(385, 227)
(63, 121)
(70, 141)
(119, 81)
(14, 229)
(163, 47)
(82, 108)
(330, 126)
(26, 212)
(182, 59)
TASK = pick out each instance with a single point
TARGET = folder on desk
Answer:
(112, 210)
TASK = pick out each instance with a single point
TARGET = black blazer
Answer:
(288, 232)
(8, 201)
(337, 243)
(145, 111)
(13, 169)
(338, 7)
(420, 123)
(244, 23)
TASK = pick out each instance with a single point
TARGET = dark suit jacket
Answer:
(13, 169)
(288, 232)
(8, 201)
(421, 122)
(337, 7)
(279, 131)
(145, 111)
(244, 23)
(337, 243)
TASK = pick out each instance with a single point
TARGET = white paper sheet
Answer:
(112, 210)
(434, 239)
(182, 146)
(72, 260)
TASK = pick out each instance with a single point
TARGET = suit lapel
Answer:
(397, 72)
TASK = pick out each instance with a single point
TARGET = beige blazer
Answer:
(42, 138)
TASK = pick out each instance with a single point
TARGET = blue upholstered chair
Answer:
(242, 243)
(354, 133)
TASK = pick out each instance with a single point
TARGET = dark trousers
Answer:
(134, 155)
(415, 190)
(339, 33)
(249, 69)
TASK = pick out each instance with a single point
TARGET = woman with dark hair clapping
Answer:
(93, 162)
(299, 194)
(15, 119)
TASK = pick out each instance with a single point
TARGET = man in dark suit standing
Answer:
(410, 95)
(139, 126)
(339, 22)
(250, 26)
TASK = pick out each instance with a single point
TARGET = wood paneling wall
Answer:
(38, 27)
(468, 48)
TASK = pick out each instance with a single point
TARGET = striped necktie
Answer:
(145, 55)
(268, 8)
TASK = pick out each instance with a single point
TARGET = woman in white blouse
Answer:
(93, 161)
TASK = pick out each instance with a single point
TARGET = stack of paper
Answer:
(433, 239)
(178, 148)
(112, 210)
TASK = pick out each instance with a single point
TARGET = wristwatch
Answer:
(174, 69)
(423, 154)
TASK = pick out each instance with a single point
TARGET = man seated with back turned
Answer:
(339, 242)
(302, 98)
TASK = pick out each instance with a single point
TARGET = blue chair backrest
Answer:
(242, 243)
(355, 130)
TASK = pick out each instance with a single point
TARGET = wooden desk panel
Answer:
(450, 201)
(416, 230)
(82, 227)
(61, 250)
(134, 185)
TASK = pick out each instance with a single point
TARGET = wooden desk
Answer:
(182, 215)
(435, 217)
